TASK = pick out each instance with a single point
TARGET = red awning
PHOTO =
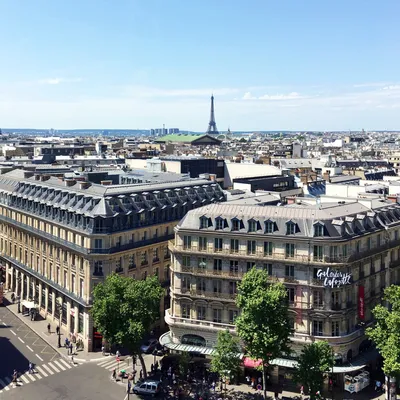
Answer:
(250, 363)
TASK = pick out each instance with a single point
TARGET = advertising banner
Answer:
(361, 303)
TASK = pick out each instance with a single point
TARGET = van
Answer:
(149, 386)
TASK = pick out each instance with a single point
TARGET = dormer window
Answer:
(291, 228)
(319, 230)
(253, 225)
(269, 227)
(204, 222)
(235, 224)
(220, 223)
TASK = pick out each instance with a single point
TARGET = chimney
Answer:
(37, 177)
(326, 176)
(28, 174)
(213, 177)
(106, 183)
(84, 185)
(69, 182)
(44, 178)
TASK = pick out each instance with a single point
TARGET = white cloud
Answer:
(248, 96)
(290, 96)
(371, 84)
(392, 87)
(57, 81)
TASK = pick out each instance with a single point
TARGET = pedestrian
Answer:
(30, 368)
(58, 330)
(103, 350)
(118, 354)
(213, 386)
(152, 368)
(134, 375)
(141, 374)
(48, 328)
(70, 348)
(129, 387)
(114, 374)
(15, 377)
(72, 360)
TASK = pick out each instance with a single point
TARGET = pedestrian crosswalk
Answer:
(40, 371)
(110, 364)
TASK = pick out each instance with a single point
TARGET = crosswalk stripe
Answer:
(103, 363)
(53, 366)
(108, 364)
(50, 371)
(2, 383)
(31, 377)
(121, 366)
(24, 378)
(64, 362)
(59, 365)
(41, 371)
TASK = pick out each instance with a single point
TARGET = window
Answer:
(378, 240)
(186, 261)
(65, 280)
(268, 268)
(235, 225)
(291, 322)
(369, 245)
(201, 285)
(268, 248)
(98, 243)
(217, 286)
(81, 288)
(250, 265)
(253, 226)
(289, 270)
(345, 250)
(234, 266)
(204, 223)
(219, 224)
(335, 328)
(232, 287)
(290, 228)
(132, 263)
(201, 313)
(251, 247)
(233, 314)
(98, 268)
(318, 328)
(73, 283)
(218, 244)
(269, 227)
(318, 299)
(290, 250)
(217, 315)
(234, 245)
(336, 300)
(58, 275)
(185, 283)
(290, 295)
(202, 243)
(318, 230)
(187, 242)
(217, 265)
(318, 254)
(185, 310)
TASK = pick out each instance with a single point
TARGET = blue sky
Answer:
(282, 65)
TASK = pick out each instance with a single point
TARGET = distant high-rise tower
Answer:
(212, 126)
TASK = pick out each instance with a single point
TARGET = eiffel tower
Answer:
(212, 126)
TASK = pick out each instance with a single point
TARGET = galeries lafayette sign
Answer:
(334, 278)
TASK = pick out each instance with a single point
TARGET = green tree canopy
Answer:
(226, 359)
(263, 323)
(124, 310)
(386, 331)
(316, 359)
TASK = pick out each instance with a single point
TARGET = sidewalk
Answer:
(40, 328)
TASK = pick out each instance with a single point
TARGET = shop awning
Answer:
(28, 304)
(357, 363)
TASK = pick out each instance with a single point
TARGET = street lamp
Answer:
(59, 308)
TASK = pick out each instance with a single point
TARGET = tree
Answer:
(184, 361)
(316, 359)
(124, 310)
(385, 332)
(263, 323)
(226, 359)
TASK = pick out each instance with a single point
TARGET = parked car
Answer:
(149, 386)
(149, 346)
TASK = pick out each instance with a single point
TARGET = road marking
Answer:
(51, 372)
(13, 332)
(5, 387)
(53, 366)
(59, 365)
(109, 364)
(4, 324)
(121, 366)
(40, 358)
(103, 363)
(64, 362)
(31, 377)
(41, 371)
(20, 340)
(29, 348)
(24, 378)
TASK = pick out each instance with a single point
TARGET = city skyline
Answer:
(139, 65)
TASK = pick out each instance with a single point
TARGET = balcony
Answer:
(394, 263)
(318, 306)
(144, 263)
(156, 260)
(131, 267)
(336, 306)
(119, 270)
(290, 279)
(202, 324)
(349, 304)
(212, 272)
(204, 294)
(73, 267)
(317, 282)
